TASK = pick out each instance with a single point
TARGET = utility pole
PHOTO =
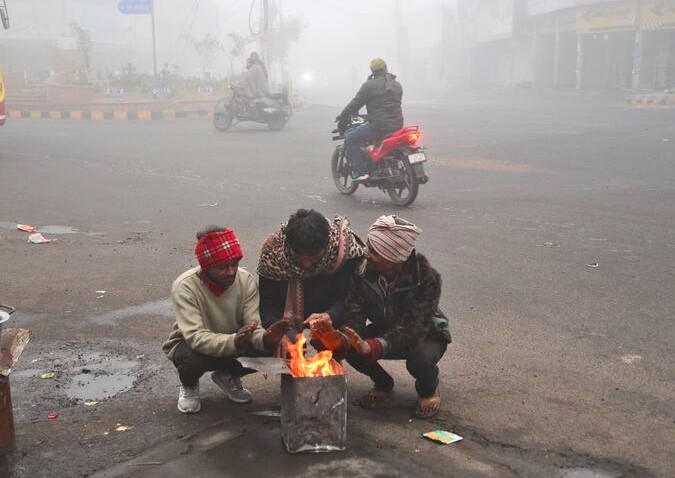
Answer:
(637, 49)
(154, 43)
(265, 32)
(282, 60)
(5, 15)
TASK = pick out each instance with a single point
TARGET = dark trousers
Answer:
(421, 363)
(191, 365)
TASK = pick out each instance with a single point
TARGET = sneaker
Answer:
(231, 385)
(188, 399)
(361, 177)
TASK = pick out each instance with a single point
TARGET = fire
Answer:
(320, 365)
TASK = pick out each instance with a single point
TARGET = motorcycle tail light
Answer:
(414, 138)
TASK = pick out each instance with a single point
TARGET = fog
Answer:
(325, 46)
(335, 39)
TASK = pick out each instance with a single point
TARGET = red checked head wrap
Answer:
(217, 248)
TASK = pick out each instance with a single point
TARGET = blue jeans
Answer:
(353, 140)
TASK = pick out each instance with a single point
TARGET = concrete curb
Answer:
(664, 100)
(140, 115)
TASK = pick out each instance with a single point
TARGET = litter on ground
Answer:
(37, 238)
(26, 228)
(442, 436)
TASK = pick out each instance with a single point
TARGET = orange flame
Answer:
(320, 365)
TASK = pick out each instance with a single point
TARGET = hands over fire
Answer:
(275, 333)
(358, 344)
(322, 330)
(243, 337)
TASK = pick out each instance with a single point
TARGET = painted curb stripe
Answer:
(108, 115)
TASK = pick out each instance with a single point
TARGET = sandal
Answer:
(375, 398)
(429, 406)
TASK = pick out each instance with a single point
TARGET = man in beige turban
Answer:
(397, 292)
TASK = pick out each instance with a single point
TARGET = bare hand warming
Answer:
(275, 333)
(358, 344)
(322, 330)
(243, 337)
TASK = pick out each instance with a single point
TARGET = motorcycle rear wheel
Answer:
(342, 172)
(222, 120)
(405, 194)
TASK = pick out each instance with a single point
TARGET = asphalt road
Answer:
(551, 220)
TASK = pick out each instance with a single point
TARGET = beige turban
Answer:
(393, 238)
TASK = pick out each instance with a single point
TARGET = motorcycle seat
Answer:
(396, 132)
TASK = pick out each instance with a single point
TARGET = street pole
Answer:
(636, 53)
(580, 61)
(282, 60)
(154, 43)
(556, 52)
(266, 27)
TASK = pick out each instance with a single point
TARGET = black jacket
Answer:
(381, 95)
(324, 293)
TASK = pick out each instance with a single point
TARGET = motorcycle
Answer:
(398, 163)
(274, 110)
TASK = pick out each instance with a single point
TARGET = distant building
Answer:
(568, 43)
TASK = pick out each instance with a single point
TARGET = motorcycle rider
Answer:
(381, 95)
(254, 81)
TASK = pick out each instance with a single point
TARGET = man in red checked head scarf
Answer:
(391, 312)
(217, 320)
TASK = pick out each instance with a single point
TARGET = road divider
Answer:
(118, 115)
(651, 100)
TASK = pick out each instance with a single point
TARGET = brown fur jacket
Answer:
(406, 316)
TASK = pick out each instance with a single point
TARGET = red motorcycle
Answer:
(398, 163)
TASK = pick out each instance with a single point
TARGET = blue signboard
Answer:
(135, 7)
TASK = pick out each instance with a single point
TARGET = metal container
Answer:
(314, 413)
(5, 312)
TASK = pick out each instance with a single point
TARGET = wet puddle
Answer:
(102, 376)
(28, 373)
(586, 473)
(160, 307)
(44, 229)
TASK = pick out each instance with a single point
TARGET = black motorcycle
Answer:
(397, 163)
(274, 110)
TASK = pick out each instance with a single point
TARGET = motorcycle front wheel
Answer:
(277, 123)
(222, 120)
(342, 172)
(404, 193)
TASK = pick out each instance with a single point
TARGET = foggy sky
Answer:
(340, 38)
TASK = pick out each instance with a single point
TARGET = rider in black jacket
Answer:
(381, 95)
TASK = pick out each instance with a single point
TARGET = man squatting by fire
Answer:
(217, 320)
(305, 268)
(397, 291)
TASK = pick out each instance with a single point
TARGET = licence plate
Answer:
(417, 158)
